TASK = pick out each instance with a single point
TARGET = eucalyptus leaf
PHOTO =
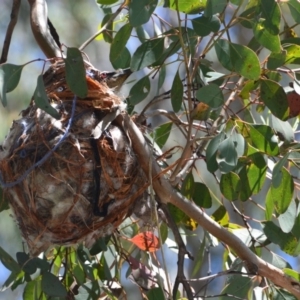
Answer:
(202, 195)
(238, 58)
(230, 185)
(211, 152)
(294, 7)
(282, 194)
(140, 11)
(287, 219)
(139, 91)
(265, 37)
(147, 53)
(214, 7)
(205, 25)
(9, 78)
(188, 6)
(41, 100)
(273, 95)
(52, 286)
(9, 262)
(177, 93)
(227, 155)
(162, 133)
(119, 42)
(211, 94)
(75, 72)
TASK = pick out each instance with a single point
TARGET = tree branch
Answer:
(10, 29)
(167, 194)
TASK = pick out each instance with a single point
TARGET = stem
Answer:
(114, 15)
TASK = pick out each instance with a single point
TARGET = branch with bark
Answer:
(167, 194)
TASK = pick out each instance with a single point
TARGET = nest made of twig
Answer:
(83, 190)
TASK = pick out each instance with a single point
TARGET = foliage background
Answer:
(75, 21)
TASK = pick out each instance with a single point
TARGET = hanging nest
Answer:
(86, 187)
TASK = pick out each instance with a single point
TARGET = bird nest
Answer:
(86, 187)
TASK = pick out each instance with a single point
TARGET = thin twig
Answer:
(113, 16)
(182, 251)
(10, 29)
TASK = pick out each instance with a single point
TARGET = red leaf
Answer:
(146, 241)
(294, 103)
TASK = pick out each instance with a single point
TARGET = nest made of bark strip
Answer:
(83, 190)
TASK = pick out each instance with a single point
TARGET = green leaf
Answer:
(121, 61)
(283, 128)
(164, 229)
(287, 242)
(107, 34)
(9, 78)
(177, 92)
(292, 54)
(52, 286)
(265, 37)
(88, 291)
(271, 12)
(107, 2)
(79, 275)
(187, 188)
(26, 263)
(287, 219)
(277, 171)
(189, 6)
(262, 137)
(75, 73)
(238, 58)
(249, 14)
(202, 195)
(33, 290)
(181, 218)
(155, 294)
(292, 273)
(227, 155)
(140, 11)
(274, 97)
(139, 91)
(41, 100)
(248, 87)
(294, 7)
(119, 42)
(282, 195)
(221, 216)
(147, 54)
(230, 186)
(205, 25)
(214, 7)
(100, 245)
(276, 60)
(162, 77)
(8, 262)
(252, 176)
(211, 95)
(142, 34)
(212, 150)
(161, 133)
(238, 286)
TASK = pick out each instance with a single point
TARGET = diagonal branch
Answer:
(167, 194)
(10, 29)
